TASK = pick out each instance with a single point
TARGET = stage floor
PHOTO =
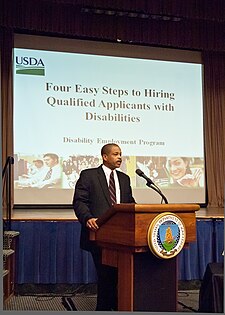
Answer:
(66, 214)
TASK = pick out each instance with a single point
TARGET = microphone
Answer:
(151, 184)
(142, 174)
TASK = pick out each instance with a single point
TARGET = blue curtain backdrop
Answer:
(48, 252)
(208, 248)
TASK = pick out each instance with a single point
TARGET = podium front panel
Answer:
(155, 283)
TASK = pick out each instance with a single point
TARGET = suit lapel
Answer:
(121, 185)
(103, 183)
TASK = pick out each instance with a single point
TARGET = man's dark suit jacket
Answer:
(91, 198)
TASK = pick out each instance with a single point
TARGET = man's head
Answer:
(111, 155)
(51, 159)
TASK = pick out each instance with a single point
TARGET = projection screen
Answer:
(73, 96)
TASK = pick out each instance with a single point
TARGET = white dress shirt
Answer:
(107, 172)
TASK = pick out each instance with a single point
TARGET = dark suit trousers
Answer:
(107, 283)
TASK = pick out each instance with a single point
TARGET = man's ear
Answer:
(104, 157)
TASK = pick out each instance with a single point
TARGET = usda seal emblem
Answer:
(166, 235)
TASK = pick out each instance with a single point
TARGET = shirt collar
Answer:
(107, 170)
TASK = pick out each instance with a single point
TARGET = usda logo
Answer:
(30, 66)
(166, 235)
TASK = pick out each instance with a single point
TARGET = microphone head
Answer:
(139, 172)
(12, 159)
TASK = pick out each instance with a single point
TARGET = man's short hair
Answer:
(52, 156)
(107, 147)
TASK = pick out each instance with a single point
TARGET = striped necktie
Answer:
(48, 175)
(112, 189)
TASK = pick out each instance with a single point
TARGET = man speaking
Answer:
(96, 190)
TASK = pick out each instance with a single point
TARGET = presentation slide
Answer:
(67, 105)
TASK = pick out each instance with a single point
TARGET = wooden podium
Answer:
(145, 282)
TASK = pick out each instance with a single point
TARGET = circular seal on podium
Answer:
(166, 235)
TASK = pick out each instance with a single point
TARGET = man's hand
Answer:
(92, 225)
